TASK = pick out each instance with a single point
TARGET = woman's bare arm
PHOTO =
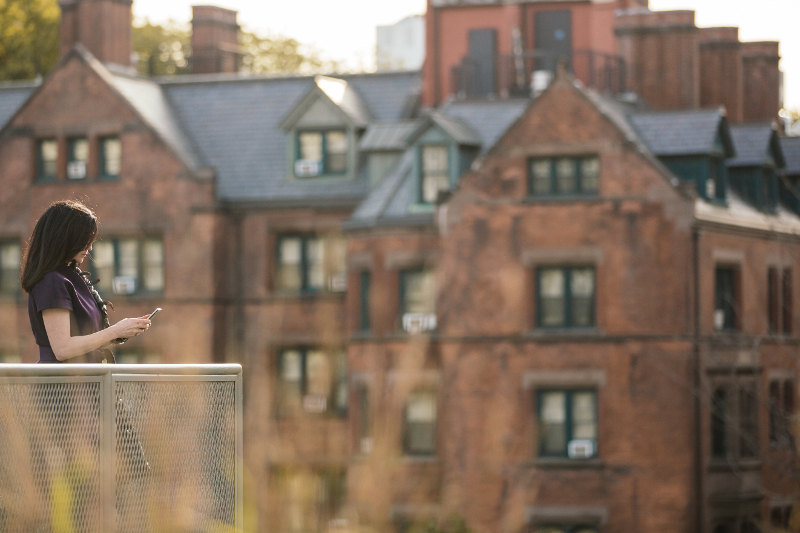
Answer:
(65, 346)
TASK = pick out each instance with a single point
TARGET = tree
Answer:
(280, 54)
(161, 50)
(29, 44)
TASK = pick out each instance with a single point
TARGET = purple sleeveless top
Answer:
(62, 288)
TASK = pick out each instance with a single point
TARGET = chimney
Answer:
(660, 49)
(215, 40)
(762, 81)
(721, 80)
(103, 27)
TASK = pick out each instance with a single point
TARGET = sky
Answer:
(345, 29)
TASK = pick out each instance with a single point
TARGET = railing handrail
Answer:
(82, 369)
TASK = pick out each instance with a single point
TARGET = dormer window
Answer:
(78, 153)
(321, 153)
(435, 174)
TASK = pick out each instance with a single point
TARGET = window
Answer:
(321, 152)
(364, 315)
(10, 358)
(10, 257)
(565, 296)
(47, 159)
(310, 263)
(308, 500)
(567, 423)
(435, 174)
(420, 424)
(364, 420)
(773, 301)
(726, 307)
(719, 431)
(125, 356)
(779, 517)
(110, 157)
(128, 266)
(781, 412)
(734, 420)
(564, 175)
(418, 300)
(311, 381)
(779, 300)
(77, 158)
(786, 300)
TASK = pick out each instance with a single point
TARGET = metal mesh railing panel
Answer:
(175, 444)
(50, 457)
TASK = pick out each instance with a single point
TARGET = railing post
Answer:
(239, 402)
(108, 492)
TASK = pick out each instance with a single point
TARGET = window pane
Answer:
(9, 263)
(112, 151)
(565, 175)
(421, 422)
(718, 424)
(315, 259)
(434, 172)
(342, 393)
(540, 175)
(311, 146)
(336, 256)
(48, 155)
(320, 374)
(584, 423)
(551, 296)
(582, 288)
(590, 170)
(336, 146)
(291, 381)
(725, 299)
(289, 275)
(78, 156)
(419, 292)
(129, 258)
(552, 416)
(748, 420)
(153, 265)
(103, 259)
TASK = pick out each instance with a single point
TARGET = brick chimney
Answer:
(721, 71)
(103, 27)
(215, 40)
(660, 49)
(762, 81)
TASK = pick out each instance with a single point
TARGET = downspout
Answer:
(698, 380)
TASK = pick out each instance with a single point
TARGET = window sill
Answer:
(420, 459)
(306, 295)
(720, 464)
(567, 463)
(559, 198)
(564, 332)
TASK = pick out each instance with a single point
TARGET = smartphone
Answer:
(151, 315)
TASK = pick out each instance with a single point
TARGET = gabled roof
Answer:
(754, 143)
(12, 96)
(489, 118)
(340, 93)
(675, 133)
(235, 122)
(791, 154)
(461, 132)
(388, 136)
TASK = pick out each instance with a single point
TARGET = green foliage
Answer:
(29, 44)
(161, 50)
(281, 55)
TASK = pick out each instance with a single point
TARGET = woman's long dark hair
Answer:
(63, 231)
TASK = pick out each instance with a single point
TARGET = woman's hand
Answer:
(130, 327)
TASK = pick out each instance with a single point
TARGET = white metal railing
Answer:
(87, 448)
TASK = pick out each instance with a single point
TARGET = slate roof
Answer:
(753, 143)
(388, 136)
(460, 131)
(673, 133)
(12, 96)
(489, 119)
(791, 153)
(235, 121)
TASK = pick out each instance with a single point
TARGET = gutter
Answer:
(698, 379)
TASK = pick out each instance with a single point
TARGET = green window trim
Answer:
(42, 145)
(442, 175)
(569, 298)
(325, 157)
(569, 421)
(558, 176)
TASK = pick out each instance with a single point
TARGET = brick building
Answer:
(568, 313)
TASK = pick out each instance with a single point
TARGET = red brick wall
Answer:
(102, 26)
(761, 81)
(721, 81)
(215, 40)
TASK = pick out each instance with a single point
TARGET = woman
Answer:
(68, 317)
